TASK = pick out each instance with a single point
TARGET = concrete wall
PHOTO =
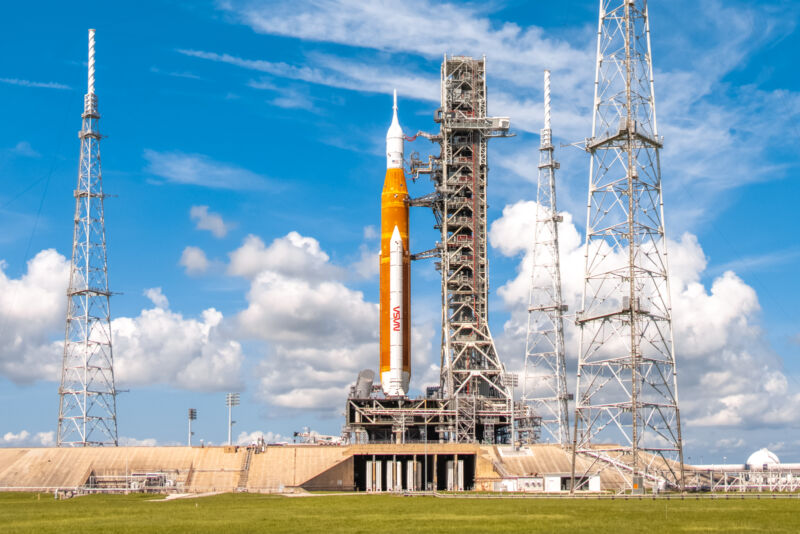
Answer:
(192, 469)
(277, 469)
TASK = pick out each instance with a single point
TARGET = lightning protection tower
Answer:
(544, 385)
(626, 413)
(87, 410)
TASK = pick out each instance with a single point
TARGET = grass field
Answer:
(379, 514)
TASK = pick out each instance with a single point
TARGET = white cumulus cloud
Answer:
(157, 346)
(194, 260)
(249, 438)
(160, 346)
(26, 439)
(32, 317)
(157, 297)
(293, 255)
(208, 220)
(319, 332)
(133, 442)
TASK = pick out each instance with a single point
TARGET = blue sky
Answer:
(273, 116)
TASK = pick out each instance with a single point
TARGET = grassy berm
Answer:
(26, 512)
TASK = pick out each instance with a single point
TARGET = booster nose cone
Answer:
(394, 141)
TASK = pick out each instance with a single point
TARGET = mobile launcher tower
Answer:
(474, 400)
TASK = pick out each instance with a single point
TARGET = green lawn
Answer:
(379, 514)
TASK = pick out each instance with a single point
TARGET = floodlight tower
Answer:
(626, 413)
(231, 400)
(544, 385)
(87, 409)
(192, 417)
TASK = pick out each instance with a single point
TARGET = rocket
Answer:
(395, 262)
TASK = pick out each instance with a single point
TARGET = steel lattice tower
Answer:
(626, 413)
(87, 410)
(544, 384)
(471, 371)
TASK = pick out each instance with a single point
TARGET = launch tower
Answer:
(87, 413)
(471, 371)
(544, 384)
(626, 413)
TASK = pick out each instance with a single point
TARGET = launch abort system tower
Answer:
(87, 412)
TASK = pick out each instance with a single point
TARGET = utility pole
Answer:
(626, 407)
(192, 417)
(231, 400)
(87, 414)
(544, 383)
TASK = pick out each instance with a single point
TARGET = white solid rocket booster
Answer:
(396, 314)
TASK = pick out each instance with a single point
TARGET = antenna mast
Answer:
(87, 413)
(544, 385)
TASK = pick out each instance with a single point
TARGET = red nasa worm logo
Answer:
(396, 318)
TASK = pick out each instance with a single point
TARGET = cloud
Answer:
(513, 51)
(757, 263)
(194, 260)
(707, 121)
(206, 220)
(728, 376)
(293, 101)
(197, 169)
(157, 346)
(288, 97)
(295, 305)
(26, 439)
(370, 232)
(160, 346)
(334, 72)
(175, 74)
(412, 27)
(730, 443)
(24, 149)
(367, 265)
(317, 332)
(40, 85)
(158, 298)
(248, 438)
(32, 310)
(133, 442)
(292, 255)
